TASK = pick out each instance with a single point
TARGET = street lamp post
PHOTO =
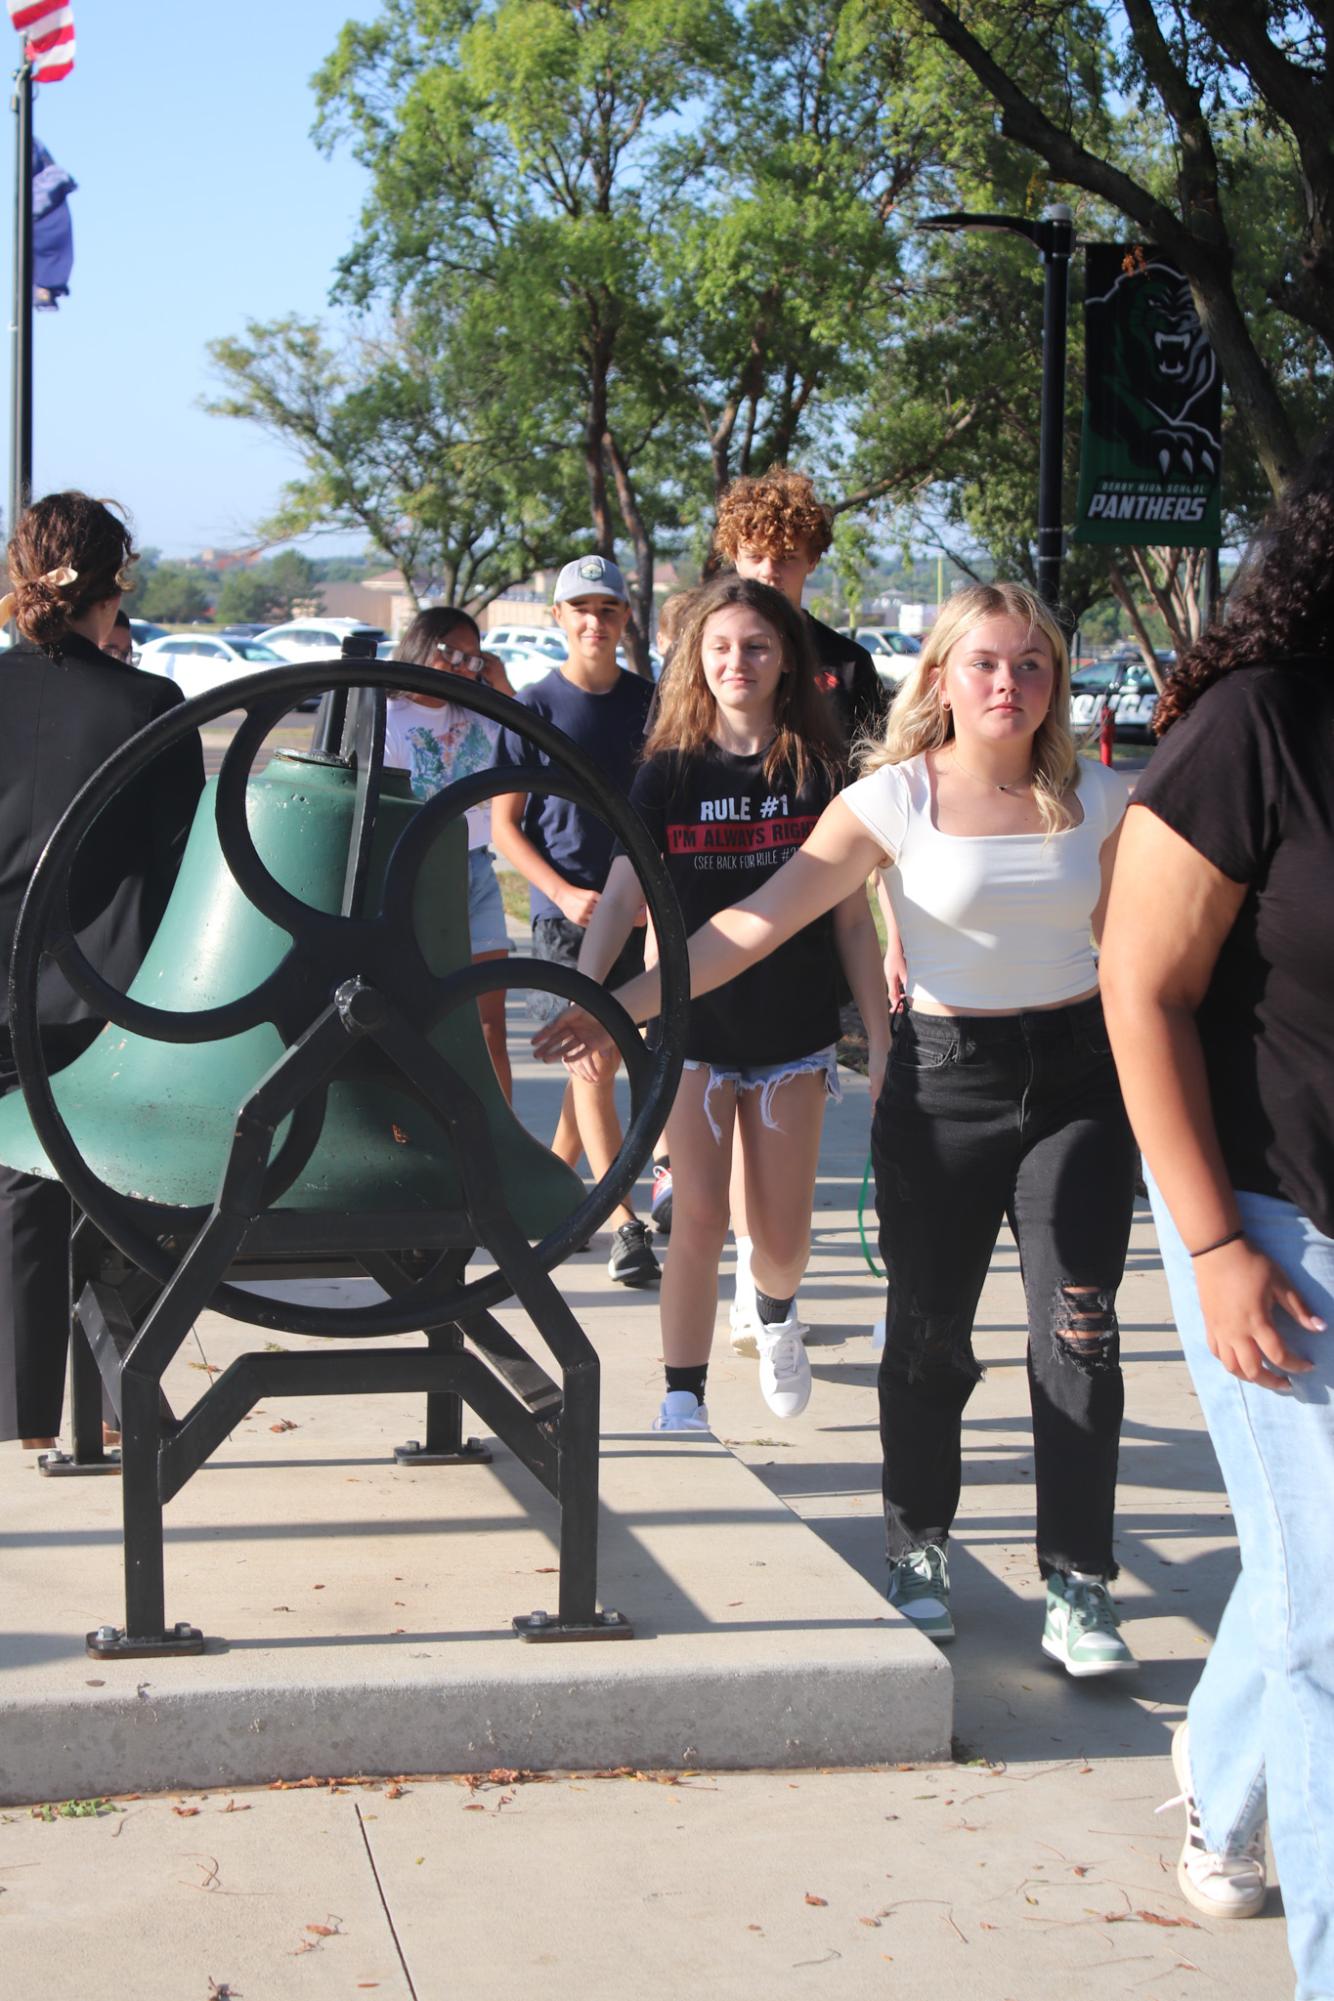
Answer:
(1053, 236)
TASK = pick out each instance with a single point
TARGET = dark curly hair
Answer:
(66, 531)
(1282, 604)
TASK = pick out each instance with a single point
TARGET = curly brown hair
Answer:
(805, 730)
(1282, 604)
(66, 531)
(775, 514)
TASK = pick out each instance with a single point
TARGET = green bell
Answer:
(155, 1119)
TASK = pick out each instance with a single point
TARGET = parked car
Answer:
(303, 639)
(200, 662)
(883, 639)
(244, 628)
(548, 639)
(144, 630)
(1133, 700)
(526, 665)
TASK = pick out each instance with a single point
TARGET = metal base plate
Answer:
(473, 1453)
(64, 1466)
(109, 1643)
(540, 1626)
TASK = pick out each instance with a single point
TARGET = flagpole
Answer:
(20, 471)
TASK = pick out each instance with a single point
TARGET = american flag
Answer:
(48, 30)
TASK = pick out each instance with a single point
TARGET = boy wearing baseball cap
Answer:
(565, 852)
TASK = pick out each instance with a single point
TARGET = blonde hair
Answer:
(919, 720)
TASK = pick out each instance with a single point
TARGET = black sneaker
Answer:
(632, 1261)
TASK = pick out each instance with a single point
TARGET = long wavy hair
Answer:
(805, 730)
(1282, 604)
(66, 531)
(918, 719)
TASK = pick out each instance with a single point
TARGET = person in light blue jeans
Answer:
(1218, 986)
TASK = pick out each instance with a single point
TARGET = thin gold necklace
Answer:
(991, 784)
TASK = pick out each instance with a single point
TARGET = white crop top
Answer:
(990, 920)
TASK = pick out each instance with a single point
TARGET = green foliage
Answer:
(272, 591)
(171, 593)
(614, 254)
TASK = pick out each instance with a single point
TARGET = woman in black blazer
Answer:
(65, 706)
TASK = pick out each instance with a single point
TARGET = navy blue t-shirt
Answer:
(609, 729)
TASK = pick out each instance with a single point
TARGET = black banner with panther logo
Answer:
(1151, 457)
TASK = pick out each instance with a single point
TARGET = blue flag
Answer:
(52, 229)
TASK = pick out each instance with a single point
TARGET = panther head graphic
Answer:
(1162, 370)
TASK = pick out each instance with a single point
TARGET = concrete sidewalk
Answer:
(1033, 1865)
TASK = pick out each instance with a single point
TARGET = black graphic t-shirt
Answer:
(723, 829)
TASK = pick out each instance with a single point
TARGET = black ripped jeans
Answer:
(985, 1117)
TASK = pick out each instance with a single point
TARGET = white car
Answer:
(548, 639)
(200, 662)
(304, 639)
(525, 665)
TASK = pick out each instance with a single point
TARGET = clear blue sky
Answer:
(202, 203)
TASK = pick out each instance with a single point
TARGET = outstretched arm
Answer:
(836, 859)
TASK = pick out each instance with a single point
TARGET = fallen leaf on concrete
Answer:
(283, 1424)
(186, 1812)
(811, 1898)
(394, 1791)
(874, 1922)
(325, 1931)
(754, 1928)
(291, 1785)
(474, 1808)
(547, 1570)
(222, 1990)
(235, 1806)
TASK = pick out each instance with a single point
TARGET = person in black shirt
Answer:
(775, 530)
(737, 770)
(66, 704)
(1218, 977)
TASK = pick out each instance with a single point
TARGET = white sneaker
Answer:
(785, 1372)
(742, 1315)
(680, 1411)
(1226, 1884)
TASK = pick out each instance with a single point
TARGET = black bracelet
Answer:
(1235, 1237)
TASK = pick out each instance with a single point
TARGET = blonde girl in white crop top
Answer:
(999, 1098)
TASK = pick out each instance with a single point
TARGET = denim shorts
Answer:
(766, 1078)
(486, 912)
(559, 940)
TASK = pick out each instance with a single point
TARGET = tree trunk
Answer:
(595, 460)
(641, 601)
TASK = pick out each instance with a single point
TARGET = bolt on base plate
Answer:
(111, 1643)
(543, 1626)
(471, 1453)
(63, 1465)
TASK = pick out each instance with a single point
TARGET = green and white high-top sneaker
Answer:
(919, 1587)
(1081, 1628)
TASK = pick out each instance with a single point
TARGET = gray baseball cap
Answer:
(590, 576)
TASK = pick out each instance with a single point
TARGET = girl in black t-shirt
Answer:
(1219, 973)
(738, 767)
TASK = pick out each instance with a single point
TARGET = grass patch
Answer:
(513, 893)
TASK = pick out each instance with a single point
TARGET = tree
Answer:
(512, 147)
(409, 438)
(1214, 71)
(779, 249)
(271, 591)
(173, 593)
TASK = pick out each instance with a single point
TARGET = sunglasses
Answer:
(471, 664)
